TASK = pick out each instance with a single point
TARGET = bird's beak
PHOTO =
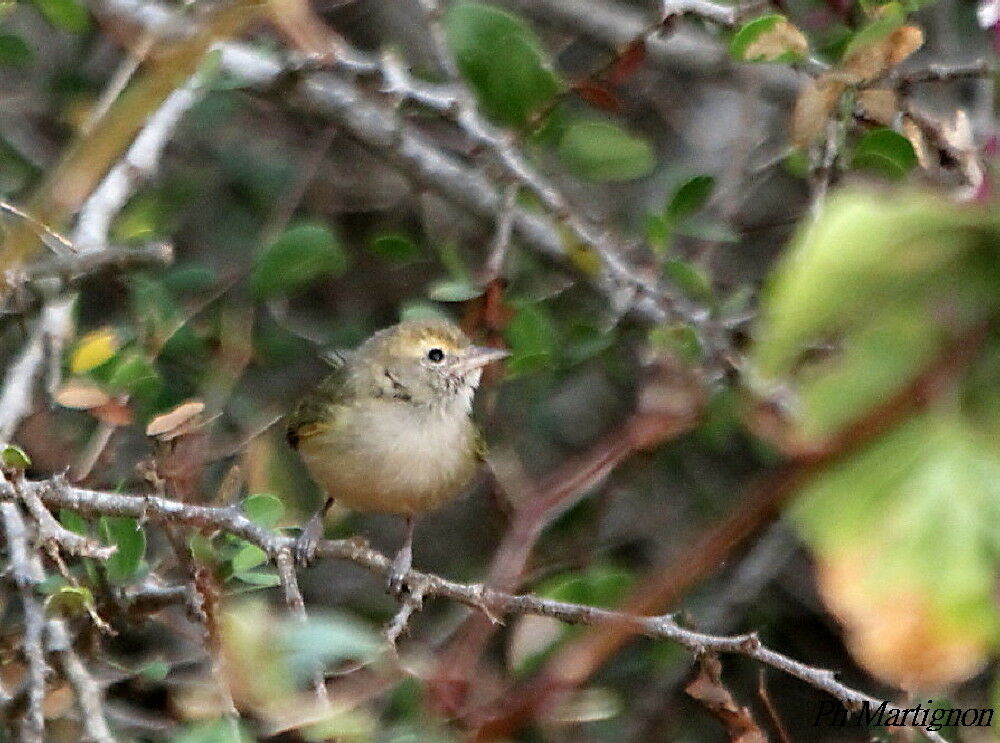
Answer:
(476, 357)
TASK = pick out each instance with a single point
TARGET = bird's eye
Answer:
(436, 355)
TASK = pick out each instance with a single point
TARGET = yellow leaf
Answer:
(777, 42)
(813, 108)
(93, 349)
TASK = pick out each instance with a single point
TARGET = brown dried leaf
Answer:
(898, 635)
(776, 43)
(80, 394)
(813, 108)
(912, 131)
(903, 42)
(175, 420)
(113, 412)
(597, 94)
(707, 688)
(878, 104)
(628, 62)
(874, 59)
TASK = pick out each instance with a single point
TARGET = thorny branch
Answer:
(340, 98)
(57, 493)
(27, 572)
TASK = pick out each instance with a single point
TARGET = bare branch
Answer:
(344, 102)
(85, 690)
(686, 50)
(27, 574)
(939, 73)
(139, 164)
(57, 493)
(124, 258)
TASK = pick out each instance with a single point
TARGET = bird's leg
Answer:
(403, 561)
(308, 541)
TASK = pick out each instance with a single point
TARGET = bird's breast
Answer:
(393, 457)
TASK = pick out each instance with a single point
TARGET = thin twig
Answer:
(85, 690)
(55, 241)
(493, 269)
(293, 598)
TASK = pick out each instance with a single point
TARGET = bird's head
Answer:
(426, 362)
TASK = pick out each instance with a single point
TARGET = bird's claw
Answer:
(396, 584)
(304, 549)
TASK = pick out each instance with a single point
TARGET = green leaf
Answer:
(707, 230)
(502, 60)
(598, 151)
(679, 339)
(213, 731)
(192, 277)
(51, 584)
(769, 38)
(73, 521)
(688, 277)
(599, 585)
(657, 232)
(69, 601)
(863, 251)
(68, 15)
(913, 518)
(259, 579)
(14, 52)
(533, 638)
(249, 557)
(203, 549)
(154, 670)
(453, 291)
(394, 246)
(872, 360)
(13, 457)
(419, 310)
(298, 257)
(327, 640)
(130, 539)
(796, 163)
(264, 509)
(886, 152)
(689, 197)
(532, 338)
(135, 375)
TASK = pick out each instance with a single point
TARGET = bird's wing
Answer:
(479, 444)
(317, 410)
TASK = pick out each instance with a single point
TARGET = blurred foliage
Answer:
(902, 528)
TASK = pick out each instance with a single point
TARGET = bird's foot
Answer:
(399, 571)
(304, 549)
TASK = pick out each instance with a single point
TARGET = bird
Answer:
(390, 430)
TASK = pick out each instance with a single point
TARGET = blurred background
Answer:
(322, 170)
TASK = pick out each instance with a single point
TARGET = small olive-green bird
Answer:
(390, 430)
